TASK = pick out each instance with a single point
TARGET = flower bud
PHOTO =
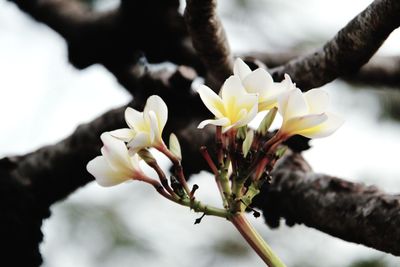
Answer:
(267, 121)
(174, 146)
(147, 156)
(247, 142)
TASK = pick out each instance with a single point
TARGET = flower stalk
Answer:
(255, 241)
(244, 157)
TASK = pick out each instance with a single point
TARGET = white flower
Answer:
(235, 108)
(261, 82)
(115, 165)
(306, 114)
(145, 128)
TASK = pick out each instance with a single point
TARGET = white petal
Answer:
(285, 85)
(124, 134)
(326, 128)
(300, 124)
(247, 142)
(296, 105)
(246, 117)
(241, 118)
(282, 102)
(133, 117)
(141, 140)
(241, 69)
(259, 81)
(154, 130)
(317, 100)
(135, 161)
(158, 106)
(232, 88)
(219, 122)
(268, 104)
(212, 101)
(115, 152)
(104, 174)
(247, 101)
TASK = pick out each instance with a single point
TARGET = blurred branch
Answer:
(380, 70)
(53, 172)
(350, 211)
(209, 38)
(65, 17)
(351, 48)
(115, 38)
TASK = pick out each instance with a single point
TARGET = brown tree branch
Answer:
(65, 17)
(209, 38)
(115, 38)
(351, 48)
(380, 70)
(53, 172)
(351, 211)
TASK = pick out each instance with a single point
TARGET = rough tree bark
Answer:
(30, 183)
(351, 47)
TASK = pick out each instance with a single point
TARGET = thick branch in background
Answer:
(380, 70)
(115, 37)
(351, 211)
(209, 38)
(351, 48)
(31, 183)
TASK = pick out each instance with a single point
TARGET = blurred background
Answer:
(43, 98)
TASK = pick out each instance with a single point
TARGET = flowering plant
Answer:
(244, 157)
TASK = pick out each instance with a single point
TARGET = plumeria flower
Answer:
(261, 82)
(306, 114)
(233, 109)
(115, 165)
(145, 128)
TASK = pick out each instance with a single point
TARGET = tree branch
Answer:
(351, 48)
(209, 38)
(53, 172)
(115, 38)
(351, 211)
(65, 17)
(380, 70)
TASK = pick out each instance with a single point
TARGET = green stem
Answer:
(197, 206)
(223, 179)
(256, 241)
(177, 165)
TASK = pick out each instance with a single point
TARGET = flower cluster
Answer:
(304, 114)
(244, 157)
(119, 161)
(242, 96)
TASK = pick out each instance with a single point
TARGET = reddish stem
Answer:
(177, 166)
(207, 157)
